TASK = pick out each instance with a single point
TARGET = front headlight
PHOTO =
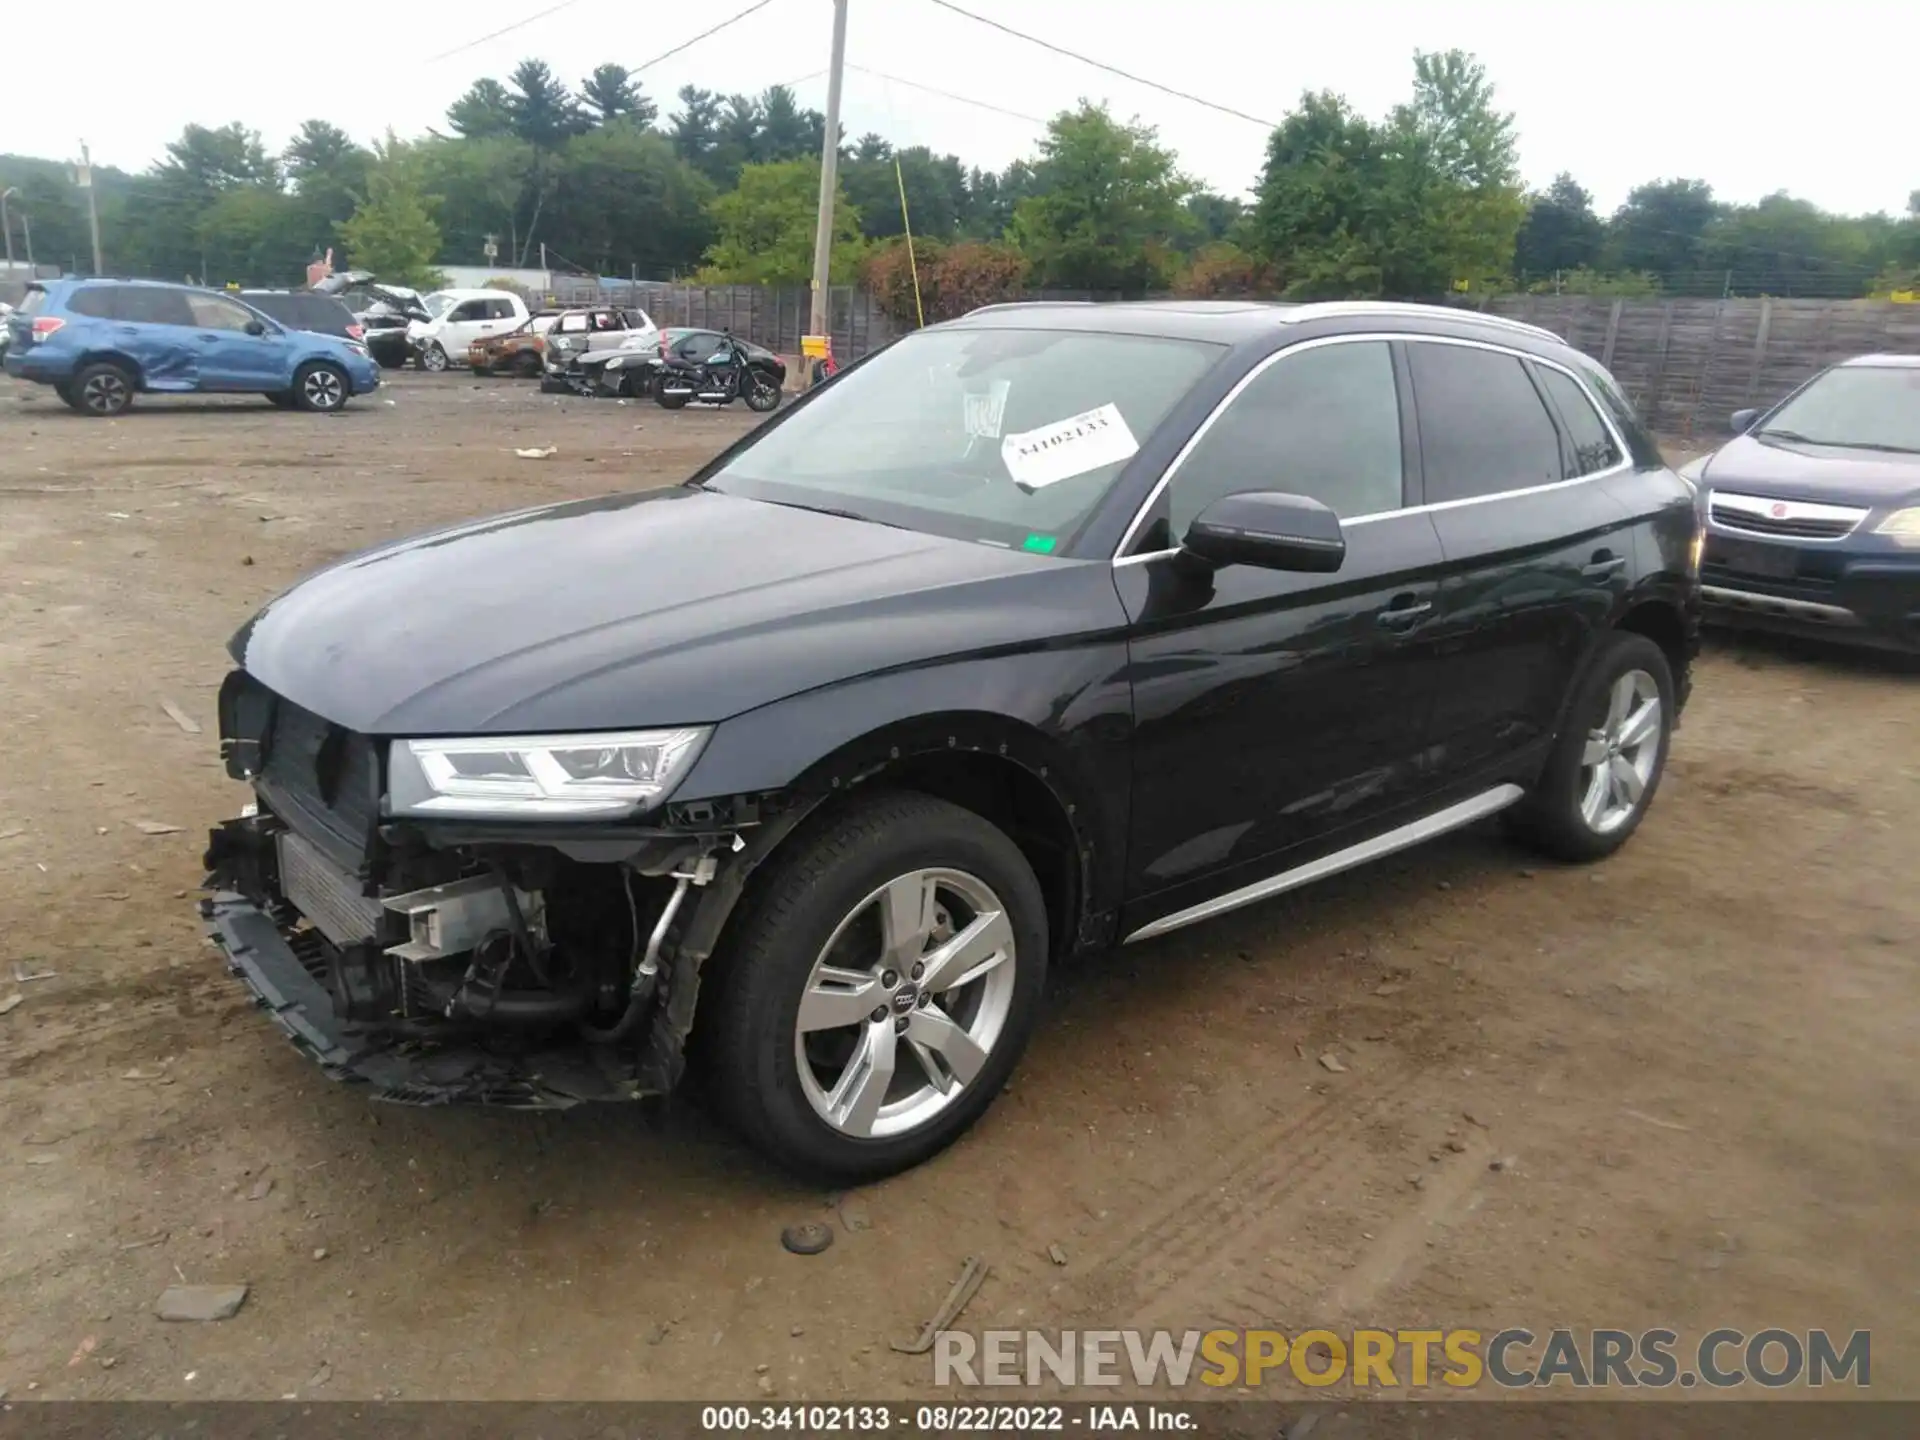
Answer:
(537, 777)
(1902, 526)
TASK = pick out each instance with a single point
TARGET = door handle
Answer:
(1403, 616)
(1603, 565)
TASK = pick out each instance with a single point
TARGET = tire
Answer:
(480, 370)
(100, 391)
(670, 402)
(528, 366)
(433, 358)
(320, 388)
(796, 1095)
(279, 399)
(1573, 813)
(763, 394)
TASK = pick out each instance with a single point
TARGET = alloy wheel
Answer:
(1621, 753)
(434, 358)
(323, 390)
(104, 393)
(905, 1002)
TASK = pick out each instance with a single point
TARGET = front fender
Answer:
(1063, 715)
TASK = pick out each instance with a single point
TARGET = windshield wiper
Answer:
(1796, 436)
(837, 514)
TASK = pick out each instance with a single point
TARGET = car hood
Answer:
(1829, 474)
(677, 606)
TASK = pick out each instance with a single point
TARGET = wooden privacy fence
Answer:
(1687, 365)
(773, 316)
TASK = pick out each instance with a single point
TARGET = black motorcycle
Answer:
(723, 377)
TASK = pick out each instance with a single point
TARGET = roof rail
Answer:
(1400, 307)
(1026, 305)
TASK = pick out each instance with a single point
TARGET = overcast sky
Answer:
(1816, 99)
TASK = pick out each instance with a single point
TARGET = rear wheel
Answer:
(320, 387)
(528, 365)
(1607, 762)
(101, 390)
(879, 987)
(670, 399)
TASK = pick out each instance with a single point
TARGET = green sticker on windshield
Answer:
(1043, 543)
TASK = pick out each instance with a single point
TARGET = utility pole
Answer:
(85, 180)
(829, 174)
(26, 225)
(7, 225)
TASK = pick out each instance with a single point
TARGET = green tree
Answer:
(1321, 217)
(612, 93)
(392, 232)
(544, 111)
(1560, 233)
(485, 111)
(993, 197)
(936, 187)
(1215, 217)
(1662, 230)
(1453, 177)
(788, 132)
(477, 186)
(695, 129)
(626, 202)
(1109, 205)
(764, 228)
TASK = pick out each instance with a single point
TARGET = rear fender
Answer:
(105, 356)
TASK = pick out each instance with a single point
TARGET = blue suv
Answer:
(97, 342)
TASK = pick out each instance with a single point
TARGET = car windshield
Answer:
(1871, 407)
(438, 303)
(1009, 437)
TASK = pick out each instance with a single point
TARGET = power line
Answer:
(1102, 65)
(503, 30)
(946, 94)
(714, 30)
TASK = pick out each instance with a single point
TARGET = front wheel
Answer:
(762, 394)
(1608, 759)
(434, 358)
(878, 988)
(320, 388)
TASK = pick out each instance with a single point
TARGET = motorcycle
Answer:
(723, 377)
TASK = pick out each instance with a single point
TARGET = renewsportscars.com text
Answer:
(1405, 1359)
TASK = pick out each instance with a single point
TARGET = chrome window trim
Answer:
(1625, 464)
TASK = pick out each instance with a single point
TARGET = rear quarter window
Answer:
(94, 300)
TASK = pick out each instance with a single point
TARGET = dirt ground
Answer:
(1696, 1061)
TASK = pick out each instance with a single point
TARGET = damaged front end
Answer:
(462, 960)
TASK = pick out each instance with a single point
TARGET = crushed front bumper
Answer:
(404, 1072)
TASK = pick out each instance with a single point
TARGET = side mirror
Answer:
(256, 327)
(1743, 420)
(1270, 530)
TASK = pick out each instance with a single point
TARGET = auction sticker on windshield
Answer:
(986, 409)
(1056, 452)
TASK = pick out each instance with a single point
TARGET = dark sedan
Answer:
(1044, 630)
(1813, 513)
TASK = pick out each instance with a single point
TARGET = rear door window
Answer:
(469, 310)
(1593, 447)
(1483, 427)
(500, 310)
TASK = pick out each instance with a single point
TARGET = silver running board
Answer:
(1410, 834)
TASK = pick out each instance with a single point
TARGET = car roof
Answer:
(1887, 362)
(1234, 322)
